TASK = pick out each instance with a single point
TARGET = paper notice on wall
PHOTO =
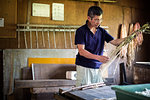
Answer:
(42, 10)
(58, 11)
(1, 22)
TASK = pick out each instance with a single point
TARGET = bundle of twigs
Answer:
(127, 40)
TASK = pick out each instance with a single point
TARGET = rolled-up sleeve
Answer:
(108, 37)
(79, 37)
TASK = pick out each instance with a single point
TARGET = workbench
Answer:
(141, 72)
(100, 93)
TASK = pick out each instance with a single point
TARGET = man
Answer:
(90, 39)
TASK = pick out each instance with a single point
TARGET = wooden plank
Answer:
(48, 89)
(43, 83)
(51, 71)
(26, 73)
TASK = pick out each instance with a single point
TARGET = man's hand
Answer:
(89, 55)
(102, 59)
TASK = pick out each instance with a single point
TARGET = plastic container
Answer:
(127, 92)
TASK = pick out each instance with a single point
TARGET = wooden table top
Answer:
(104, 92)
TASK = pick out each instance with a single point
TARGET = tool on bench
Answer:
(83, 87)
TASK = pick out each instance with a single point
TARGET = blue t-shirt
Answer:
(94, 43)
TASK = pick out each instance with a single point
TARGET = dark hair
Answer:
(94, 10)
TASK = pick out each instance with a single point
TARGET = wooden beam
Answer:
(105, 1)
(43, 83)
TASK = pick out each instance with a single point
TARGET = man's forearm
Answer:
(117, 42)
(87, 54)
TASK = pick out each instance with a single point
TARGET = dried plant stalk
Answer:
(116, 52)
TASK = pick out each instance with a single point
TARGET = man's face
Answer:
(95, 21)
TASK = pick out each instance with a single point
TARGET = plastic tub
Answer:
(127, 92)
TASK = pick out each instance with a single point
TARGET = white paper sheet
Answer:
(1, 22)
(42, 10)
(58, 11)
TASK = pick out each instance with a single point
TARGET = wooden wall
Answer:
(8, 11)
(16, 12)
(124, 11)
